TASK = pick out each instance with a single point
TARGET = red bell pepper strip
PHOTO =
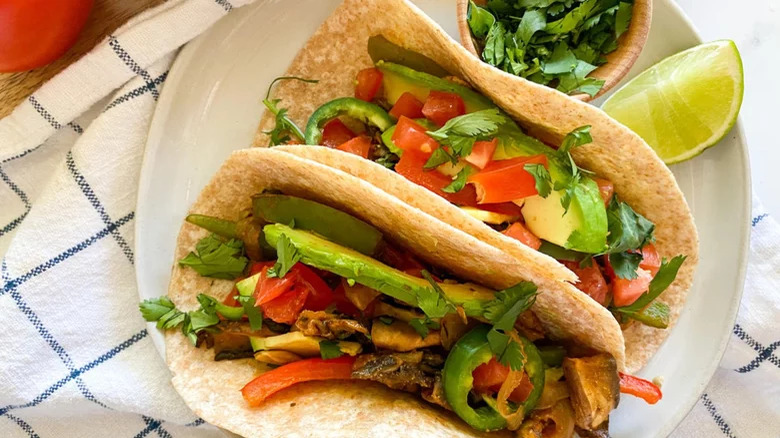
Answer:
(410, 166)
(644, 389)
(306, 370)
(506, 180)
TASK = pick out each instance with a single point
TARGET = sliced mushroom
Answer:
(594, 386)
(400, 336)
(328, 325)
(436, 395)
(276, 357)
(601, 432)
(555, 422)
(402, 371)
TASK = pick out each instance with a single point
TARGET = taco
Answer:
(307, 302)
(581, 202)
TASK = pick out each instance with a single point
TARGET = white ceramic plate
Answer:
(210, 106)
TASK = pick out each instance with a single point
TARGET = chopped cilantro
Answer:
(480, 20)
(460, 133)
(460, 180)
(330, 350)
(423, 325)
(283, 127)
(433, 302)
(439, 157)
(216, 258)
(386, 320)
(628, 230)
(287, 255)
(625, 264)
(542, 178)
(252, 312)
(509, 304)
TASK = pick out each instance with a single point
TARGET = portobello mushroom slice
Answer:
(403, 371)
(400, 336)
(594, 387)
(328, 325)
(554, 422)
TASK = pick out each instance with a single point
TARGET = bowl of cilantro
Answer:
(580, 47)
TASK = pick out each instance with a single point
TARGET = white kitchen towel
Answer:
(76, 358)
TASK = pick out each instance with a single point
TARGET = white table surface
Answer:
(755, 26)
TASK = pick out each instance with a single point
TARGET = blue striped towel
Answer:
(76, 357)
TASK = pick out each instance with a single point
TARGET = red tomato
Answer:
(306, 370)
(590, 280)
(411, 136)
(335, 133)
(269, 288)
(256, 267)
(489, 376)
(482, 153)
(625, 292)
(34, 33)
(407, 105)
(286, 307)
(320, 295)
(650, 259)
(343, 304)
(359, 146)
(507, 208)
(506, 180)
(368, 82)
(606, 189)
(231, 300)
(518, 231)
(441, 106)
(410, 166)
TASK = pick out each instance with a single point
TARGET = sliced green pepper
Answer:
(358, 109)
(224, 228)
(471, 351)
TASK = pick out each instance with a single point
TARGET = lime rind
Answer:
(659, 103)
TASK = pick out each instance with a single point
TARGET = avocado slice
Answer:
(334, 224)
(322, 254)
(300, 344)
(587, 214)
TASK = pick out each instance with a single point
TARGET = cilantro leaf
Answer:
(216, 258)
(628, 230)
(622, 18)
(493, 53)
(287, 255)
(577, 137)
(542, 178)
(509, 303)
(433, 302)
(460, 180)
(480, 20)
(562, 60)
(284, 127)
(423, 325)
(252, 312)
(154, 308)
(625, 264)
(330, 350)
(439, 157)
(665, 276)
(507, 351)
(532, 22)
(461, 132)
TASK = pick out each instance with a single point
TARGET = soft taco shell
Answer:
(337, 51)
(211, 388)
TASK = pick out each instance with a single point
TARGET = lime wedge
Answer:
(685, 103)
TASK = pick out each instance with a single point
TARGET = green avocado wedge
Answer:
(320, 253)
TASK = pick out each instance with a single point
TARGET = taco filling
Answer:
(322, 295)
(439, 133)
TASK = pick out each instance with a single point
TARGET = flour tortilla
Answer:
(211, 388)
(337, 51)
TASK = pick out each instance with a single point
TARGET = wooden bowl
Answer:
(618, 63)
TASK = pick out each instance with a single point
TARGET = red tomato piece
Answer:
(320, 295)
(506, 180)
(651, 261)
(489, 376)
(306, 370)
(269, 288)
(34, 33)
(507, 208)
(368, 82)
(286, 307)
(441, 106)
(335, 133)
(343, 304)
(482, 153)
(256, 267)
(519, 232)
(606, 189)
(231, 300)
(644, 389)
(410, 166)
(408, 106)
(410, 136)
(590, 280)
(625, 292)
(359, 146)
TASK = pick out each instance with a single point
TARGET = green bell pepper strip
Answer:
(216, 225)
(361, 110)
(471, 351)
(229, 312)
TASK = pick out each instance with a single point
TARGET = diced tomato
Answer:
(650, 259)
(506, 180)
(590, 280)
(410, 136)
(269, 288)
(489, 376)
(606, 189)
(507, 208)
(343, 304)
(231, 300)
(256, 267)
(519, 232)
(410, 166)
(359, 145)
(320, 296)
(482, 153)
(306, 370)
(335, 133)
(625, 292)
(368, 82)
(286, 307)
(644, 389)
(408, 106)
(398, 259)
(441, 106)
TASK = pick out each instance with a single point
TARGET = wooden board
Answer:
(106, 16)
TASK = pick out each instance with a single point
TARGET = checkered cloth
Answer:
(76, 357)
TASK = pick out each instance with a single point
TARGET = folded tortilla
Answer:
(337, 51)
(212, 389)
